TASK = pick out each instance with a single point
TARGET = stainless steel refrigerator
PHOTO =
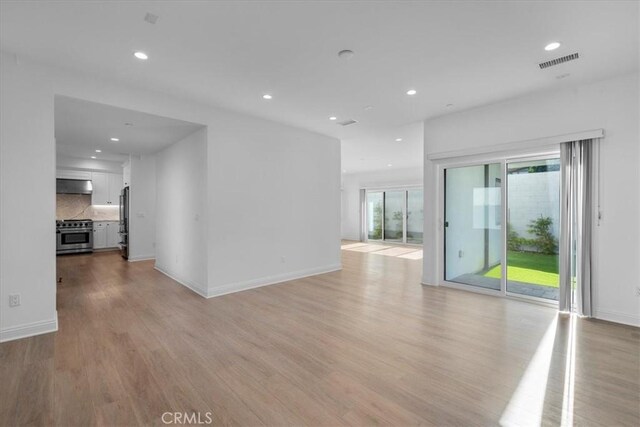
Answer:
(124, 223)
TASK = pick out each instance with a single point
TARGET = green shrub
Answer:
(514, 241)
(544, 242)
(376, 233)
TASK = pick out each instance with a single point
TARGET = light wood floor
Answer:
(366, 345)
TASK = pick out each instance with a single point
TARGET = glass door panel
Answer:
(473, 225)
(415, 215)
(533, 228)
(374, 215)
(394, 216)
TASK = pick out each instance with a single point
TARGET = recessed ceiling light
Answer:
(552, 46)
(344, 171)
(267, 96)
(93, 157)
(115, 139)
(412, 92)
(368, 108)
(98, 151)
(128, 124)
(449, 105)
(333, 118)
(141, 55)
(389, 165)
(398, 139)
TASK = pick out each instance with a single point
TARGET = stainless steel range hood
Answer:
(73, 186)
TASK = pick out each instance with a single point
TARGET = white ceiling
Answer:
(228, 54)
(81, 127)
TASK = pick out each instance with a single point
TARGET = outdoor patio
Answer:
(519, 288)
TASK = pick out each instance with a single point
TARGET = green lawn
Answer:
(532, 268)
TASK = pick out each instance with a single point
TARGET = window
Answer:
(395, 216)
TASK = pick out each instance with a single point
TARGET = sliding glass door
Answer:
(473, 225)
(517, 256)
(374, 215)
(415, 215)
(533, 214)
(395, 216)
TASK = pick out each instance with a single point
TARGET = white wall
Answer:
(309, 241)
(142, 207)
(72, 163)
(181, 217)
(353, 183)
(612, 105)
(274, 203)
(28, 204)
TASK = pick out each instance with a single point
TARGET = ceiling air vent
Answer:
(558, 61)
(347, 122)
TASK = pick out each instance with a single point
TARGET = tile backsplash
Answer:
(77, 206)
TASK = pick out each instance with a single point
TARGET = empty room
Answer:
(320, 213)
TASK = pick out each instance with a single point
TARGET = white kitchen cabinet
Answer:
(105, 234)
(100, 195)
(113, 238)
(106, 188)
(115, 186)
(126, 174)
(99, 235)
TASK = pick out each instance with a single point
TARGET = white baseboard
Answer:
(270, 280)
(141, 258)
(29, 329)
(195, 287)
(616, 317)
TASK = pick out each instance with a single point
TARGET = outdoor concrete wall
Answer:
(532, 195)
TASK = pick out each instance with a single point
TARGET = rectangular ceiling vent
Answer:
(558, 61)
(347, 122)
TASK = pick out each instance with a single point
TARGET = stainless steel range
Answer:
(74, 236)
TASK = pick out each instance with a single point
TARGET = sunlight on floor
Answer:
(569, 376)
(405, 252)
(527, 403)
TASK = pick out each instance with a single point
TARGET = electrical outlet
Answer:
(638, 291)
(460, 254)
(14, 300)
(283, 259)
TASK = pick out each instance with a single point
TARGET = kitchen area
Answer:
(91, 211)
(106, 179)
